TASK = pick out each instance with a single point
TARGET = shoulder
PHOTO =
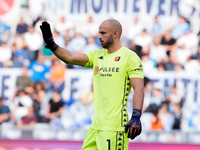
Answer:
(61, 103)
(129, 53)
(24, 118)
(34, 63)
(50, 101)
(97, 52)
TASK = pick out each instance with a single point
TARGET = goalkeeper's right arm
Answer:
(61, 53)
(71, 58)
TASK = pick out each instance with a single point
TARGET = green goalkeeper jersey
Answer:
(111, 82)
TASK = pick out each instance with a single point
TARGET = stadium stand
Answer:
(179, 51)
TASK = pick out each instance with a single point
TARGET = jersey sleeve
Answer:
(90, 56)
(134, 67)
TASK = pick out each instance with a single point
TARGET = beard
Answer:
(108, 43)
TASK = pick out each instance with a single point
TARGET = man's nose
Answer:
(99, 36)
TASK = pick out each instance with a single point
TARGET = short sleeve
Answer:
(51, 102)
(61, 104)
(31, 83)
(18, 80)
(134, 67)
(90, 56)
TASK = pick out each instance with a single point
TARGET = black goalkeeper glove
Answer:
(47, 36)
(133, 127)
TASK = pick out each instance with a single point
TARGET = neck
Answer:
(29, 115)
(114, 48)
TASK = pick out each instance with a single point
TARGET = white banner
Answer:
(123, 10)
(8, 79)
(187, 84)
(79, 81)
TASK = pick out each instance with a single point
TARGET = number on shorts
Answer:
(108, 144)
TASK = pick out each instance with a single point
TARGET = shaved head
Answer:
(114, 25)
(109, 33)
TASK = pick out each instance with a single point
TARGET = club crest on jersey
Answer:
(117, 58)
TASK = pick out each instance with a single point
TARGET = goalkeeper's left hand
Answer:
(133, 127)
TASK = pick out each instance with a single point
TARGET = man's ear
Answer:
(115, 34)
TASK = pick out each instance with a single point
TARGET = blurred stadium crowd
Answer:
(37, 97)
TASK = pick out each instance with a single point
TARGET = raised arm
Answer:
(61, 53)
(71, 58)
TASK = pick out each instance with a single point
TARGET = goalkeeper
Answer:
(115, 70)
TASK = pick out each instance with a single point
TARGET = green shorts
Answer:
(105, 140)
